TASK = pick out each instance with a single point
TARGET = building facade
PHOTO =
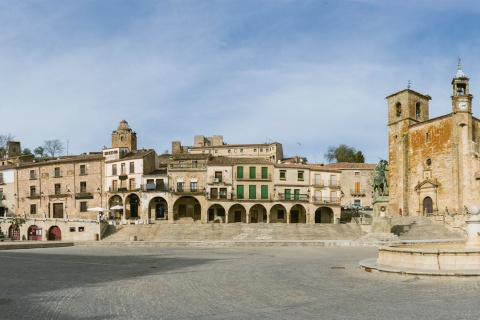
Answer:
(433, 163)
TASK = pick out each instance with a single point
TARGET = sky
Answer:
(307, 74)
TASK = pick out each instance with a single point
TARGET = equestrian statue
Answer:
(380, 182)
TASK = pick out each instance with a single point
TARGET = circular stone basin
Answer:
(436, 259)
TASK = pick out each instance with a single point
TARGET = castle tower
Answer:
(124, 137)
(405, 108)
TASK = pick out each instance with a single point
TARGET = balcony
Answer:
(182, 190)
(152, 187)
(33, 195)
(123, 189)
(357, 192)
(257, 176)
(328, 200)
(331, 184)
(220, 197)
(292, 197)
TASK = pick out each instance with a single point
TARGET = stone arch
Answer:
(54, 233)
(278, 214)
(427, 205)
(216, 214)
(398, 109)
(158, 208)
(132, 206)
(34, 233)
(114, 204)
(237, 213)
(187, 208)
(257, 213)
(324, 215)
(298, 214)
(14, 232)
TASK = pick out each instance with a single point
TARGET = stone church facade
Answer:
(433, 163)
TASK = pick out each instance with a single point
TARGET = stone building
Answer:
(433, 163)
(357, 182)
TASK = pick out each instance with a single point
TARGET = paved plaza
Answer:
(134, 282)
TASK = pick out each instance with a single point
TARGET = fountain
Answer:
(460, 259)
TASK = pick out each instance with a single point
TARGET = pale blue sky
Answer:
(308, 74)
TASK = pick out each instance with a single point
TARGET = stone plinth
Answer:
(381, 223)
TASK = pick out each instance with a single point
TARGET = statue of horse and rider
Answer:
(380, 182)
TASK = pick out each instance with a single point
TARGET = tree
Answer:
(52, 147)
(26, 152)
(4, 139)
(39, 151)
(344, 153)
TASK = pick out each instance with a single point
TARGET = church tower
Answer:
(405, 108)
(124, 137)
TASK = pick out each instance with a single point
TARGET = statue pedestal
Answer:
(381, 223)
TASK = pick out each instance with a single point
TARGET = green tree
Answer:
(39, 151)
(344, 153)
(26, 151)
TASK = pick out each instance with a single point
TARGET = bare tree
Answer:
(4, 139)
(53, 147)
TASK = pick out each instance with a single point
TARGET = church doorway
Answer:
(427, 205)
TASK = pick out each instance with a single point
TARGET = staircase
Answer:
(233, 231)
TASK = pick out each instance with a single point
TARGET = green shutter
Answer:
(288, 194)
(264, 173)
(253, 173)
(252, 192)
(239, 172)
(296, 194)
(239, 192)
(264, 192)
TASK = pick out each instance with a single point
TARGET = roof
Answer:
(190, 156)
(234, 160)
(135, 154)
(63, 159)
(351, 166)
(236, 145)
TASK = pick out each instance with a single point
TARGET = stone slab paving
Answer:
(135, 282)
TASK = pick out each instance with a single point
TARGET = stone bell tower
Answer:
(124, 137)
(405, 108)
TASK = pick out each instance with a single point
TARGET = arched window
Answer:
(417, 110)
(398, 109)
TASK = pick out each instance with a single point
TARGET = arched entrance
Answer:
(278, 214)
(54, 234)
(297, 214)
(187, 208)
(34, 233)
(258, 213)
(237, 213)
(158, 208)
(133, 204)
(116, 207)
(14, 232)
(216, 214)
(427, 205)
(324, 215)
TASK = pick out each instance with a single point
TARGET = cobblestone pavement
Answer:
(220, 283)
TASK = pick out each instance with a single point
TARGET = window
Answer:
(83, 187)
(280, 214)
(239, 172)
(57, 172)
(254, 150)
(114, 169)
(253, 172)
(181, 163)
(288, 194)
(229, 151)
(417, 110)
(264, 173)
(115, 185)
(426, 137)
(216, 151)
(32, 174)
(122, 168)
(83, 206)
(33, 209)
(357, 187)
(296, 194)
(264, 192)
(193, 186)
(180, 186)
(282, 174)
(261, 149)
(132, 184)
(58, 188)
(223, 193)
(333, 180)
(218, 176)
(132, 167)
(83, 170)
(33, 191)
(357, 173)
(81, 229)
(214, 193)
(241, 150)
(72, 229)
(252, 192)
(240, 191)
(300, 175)
(398, 109)
(428, 162)
(1, 177)
(194, 164)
